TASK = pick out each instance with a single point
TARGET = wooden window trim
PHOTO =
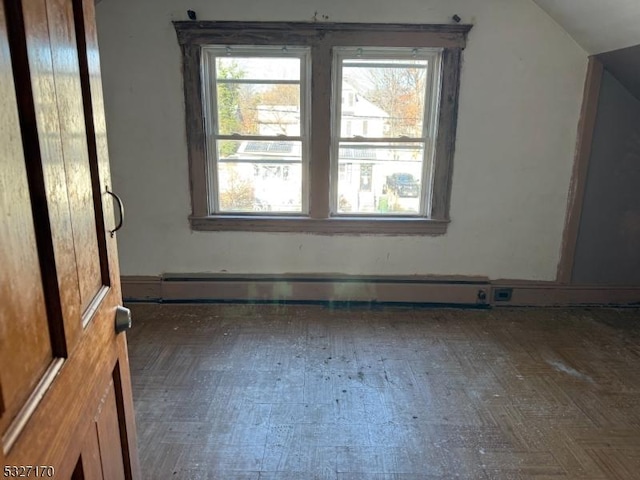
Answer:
(332, 225)
(321, 37)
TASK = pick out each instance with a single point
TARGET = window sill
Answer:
(328, 226)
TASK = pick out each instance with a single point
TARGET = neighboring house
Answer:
(363, 169)
(360, 117)
(277, 173)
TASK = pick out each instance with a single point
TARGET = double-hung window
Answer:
(327, 128)
(256, 114)
(385, 110)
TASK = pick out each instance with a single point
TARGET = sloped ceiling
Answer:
(597, 25)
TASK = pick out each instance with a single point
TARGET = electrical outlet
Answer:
(502, 294)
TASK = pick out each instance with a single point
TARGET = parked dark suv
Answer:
(403, 185)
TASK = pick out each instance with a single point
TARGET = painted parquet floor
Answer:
(242, 392)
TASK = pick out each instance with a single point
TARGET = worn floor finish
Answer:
(289, 392)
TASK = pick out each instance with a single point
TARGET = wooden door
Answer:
(65, 396)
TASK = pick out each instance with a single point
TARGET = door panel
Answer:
(89, 464)
(108, 427)
(40, 126)
(60, 16)
(25, 358)
(101, 455)
(61, 359)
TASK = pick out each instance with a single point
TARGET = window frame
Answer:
(321, 38)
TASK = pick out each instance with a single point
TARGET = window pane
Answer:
(258, 95)
(379, 178)
(260, 187)
(258, 68)
(258, 109)
(383, 98)
(259, 176)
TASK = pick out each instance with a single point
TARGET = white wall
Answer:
(522, 86)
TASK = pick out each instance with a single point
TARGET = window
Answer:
(329, 128)
(396, 90)
(255, 102)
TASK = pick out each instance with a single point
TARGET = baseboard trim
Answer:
(556, 295)
(141, 288)
(452, 291)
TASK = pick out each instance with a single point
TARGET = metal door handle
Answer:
(121, 209)
(123, 319)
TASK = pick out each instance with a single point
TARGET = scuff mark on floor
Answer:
(561, 367)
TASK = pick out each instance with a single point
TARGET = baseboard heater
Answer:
(340, 289)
